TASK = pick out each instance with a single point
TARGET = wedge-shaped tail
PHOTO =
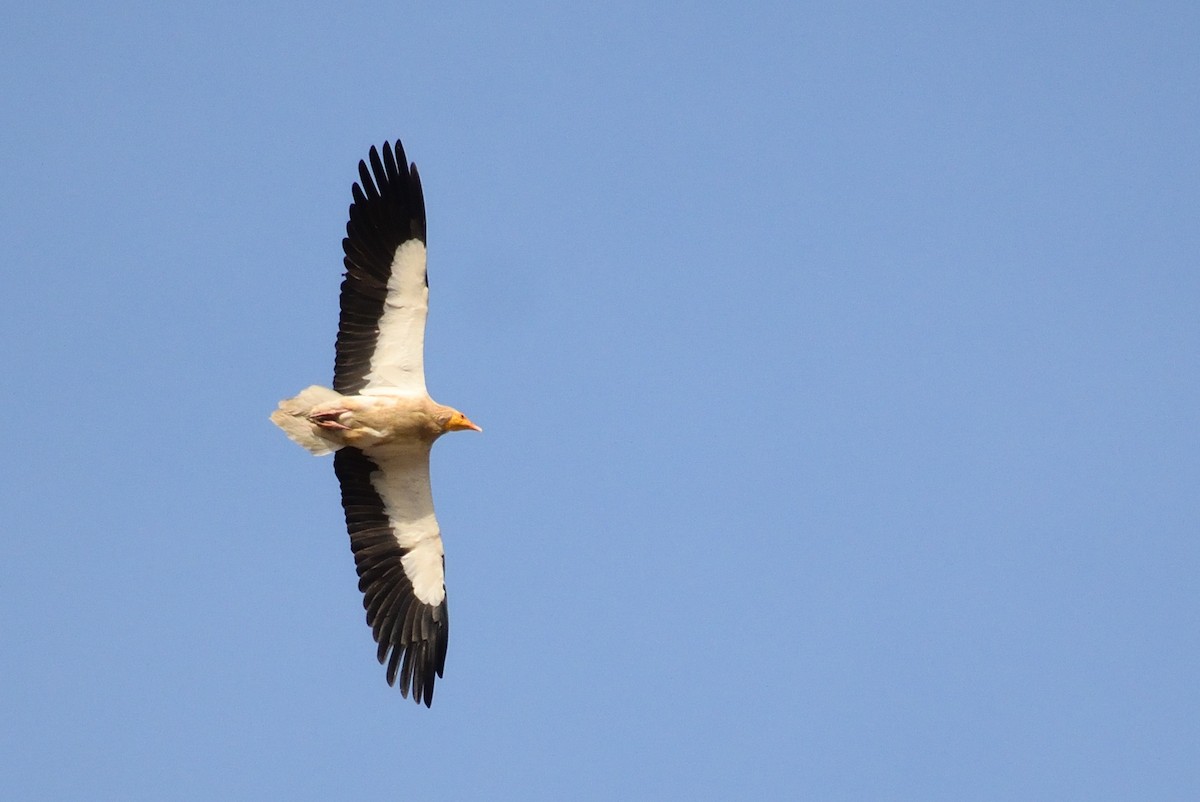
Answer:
(292, 417)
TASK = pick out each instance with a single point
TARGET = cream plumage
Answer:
(381, 423)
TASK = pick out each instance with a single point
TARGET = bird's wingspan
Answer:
(385, 295)
(398, 553)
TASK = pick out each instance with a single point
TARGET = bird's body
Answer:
(381, 423)
(374, 421)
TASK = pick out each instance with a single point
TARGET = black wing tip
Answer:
(416, 664)
(389, 180)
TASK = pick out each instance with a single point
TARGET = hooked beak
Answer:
(460, 421)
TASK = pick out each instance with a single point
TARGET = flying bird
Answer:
(380, 422)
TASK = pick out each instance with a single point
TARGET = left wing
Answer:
(398, 553)
(385, 295)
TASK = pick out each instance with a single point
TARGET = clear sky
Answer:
(837, 365)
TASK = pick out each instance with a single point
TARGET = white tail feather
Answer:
(292, 417)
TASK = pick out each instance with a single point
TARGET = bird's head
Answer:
(451, 420)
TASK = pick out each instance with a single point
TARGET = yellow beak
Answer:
(459, 421)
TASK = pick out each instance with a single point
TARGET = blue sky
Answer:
(837, 365)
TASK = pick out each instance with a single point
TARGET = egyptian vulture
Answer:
(380, 423)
